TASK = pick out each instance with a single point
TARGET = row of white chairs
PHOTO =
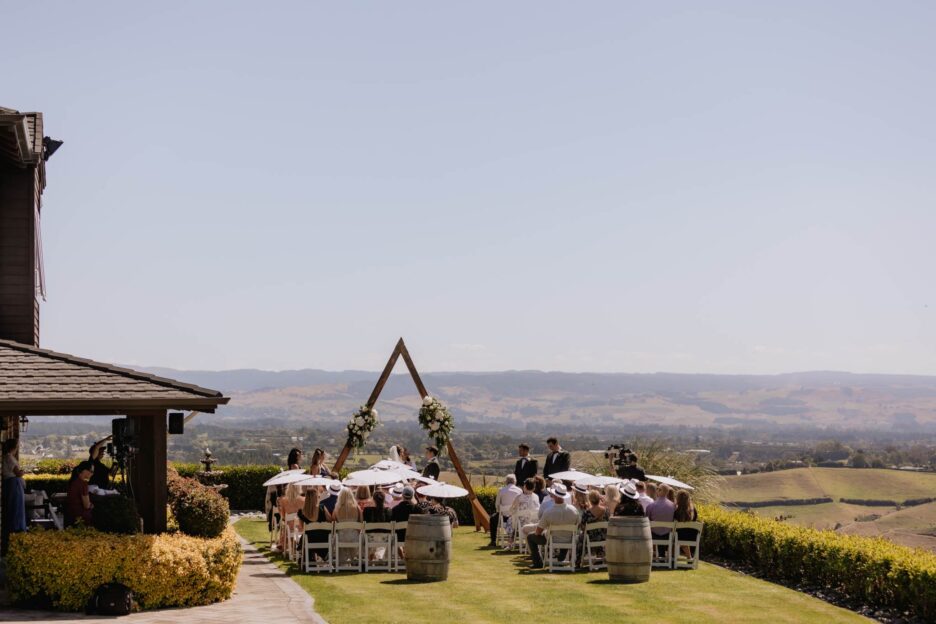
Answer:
(344, 546)
(669, 551)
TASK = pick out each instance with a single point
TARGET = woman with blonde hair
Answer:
(289, 503)
(612, 496)
(347, 510)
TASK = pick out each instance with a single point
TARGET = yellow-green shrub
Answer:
(169, 570)
(872, 571)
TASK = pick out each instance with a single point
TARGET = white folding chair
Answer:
(399, 563)
(275, 526)
(378, 536)
(519, 538)
(556, 541)
(348, 538)
(290, 524)
(692, 561)
(503, 535)
(309, 561)
(594, 549)
(662, 543)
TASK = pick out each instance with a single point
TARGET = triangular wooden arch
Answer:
(481, 518)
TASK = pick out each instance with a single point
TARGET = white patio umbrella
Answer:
(670, 481)
(442, 490)
(371, 477)
(389, 464)
(287, 476)
(569, 475)
(315, 480)
(598, 481)
(412, 475)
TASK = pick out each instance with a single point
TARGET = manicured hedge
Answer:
(62, 569)
(870, 571)
(51, 483)
(486, 496)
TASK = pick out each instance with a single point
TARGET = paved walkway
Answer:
(264, 594)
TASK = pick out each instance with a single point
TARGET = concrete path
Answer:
(264, 594)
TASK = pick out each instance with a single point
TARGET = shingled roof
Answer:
(39, 381)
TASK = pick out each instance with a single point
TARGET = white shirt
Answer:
(505, 498)
(559, 515)
(545, 506)
(644, 500)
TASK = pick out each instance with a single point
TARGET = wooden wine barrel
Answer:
(628, 550)
(428, 547)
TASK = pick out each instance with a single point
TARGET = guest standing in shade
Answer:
(13, 489)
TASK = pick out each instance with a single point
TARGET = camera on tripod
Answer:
(617, 454)
(124, 444)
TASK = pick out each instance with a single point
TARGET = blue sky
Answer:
(694, 187)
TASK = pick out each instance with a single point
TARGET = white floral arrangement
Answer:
(436, 420)
(362, 423)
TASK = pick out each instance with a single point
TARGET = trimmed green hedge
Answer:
(51, 483)
(871, 571)
(486, 496)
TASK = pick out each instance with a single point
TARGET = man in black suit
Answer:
(557, 460)
(432, 465)
(526, 467)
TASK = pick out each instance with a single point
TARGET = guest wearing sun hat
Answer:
(630, 504)
(560, 513)
(331, 492)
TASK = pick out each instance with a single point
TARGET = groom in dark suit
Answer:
(526, 467)
(557, 460)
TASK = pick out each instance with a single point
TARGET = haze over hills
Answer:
(523, 399)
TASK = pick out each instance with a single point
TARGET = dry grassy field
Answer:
(910, 526)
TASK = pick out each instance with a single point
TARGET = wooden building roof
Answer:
(42, 382)
(20, 137)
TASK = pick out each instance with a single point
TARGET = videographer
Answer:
(102, 473)
(628, 468)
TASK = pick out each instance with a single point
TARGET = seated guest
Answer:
(294, 459)
(363, 496)
(78, 502)
(595, 512)
(629, 505)
(502, 502)
(671, 495)
(432, 469)
(560, 513)
(642, 497)
(401, 513)
(580, 497)
(102, 472)
(394, 494)
(312, 511)
(378, 511)
(539, 487)
(612, 496)
(290, 503)
(332, 492)
(661, 510)
(347, 510)
(685, 512)
(14, 501)
(525, 510)
(651, 490)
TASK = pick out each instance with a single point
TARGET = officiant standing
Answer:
(526, 467)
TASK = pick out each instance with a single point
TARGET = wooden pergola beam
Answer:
(481, 517)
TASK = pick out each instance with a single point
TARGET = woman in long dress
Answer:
(13, 489)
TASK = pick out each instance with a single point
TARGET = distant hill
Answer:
(531, 398)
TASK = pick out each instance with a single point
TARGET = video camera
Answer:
(617, 454)
(124, 443)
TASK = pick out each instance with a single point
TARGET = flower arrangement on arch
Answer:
(436, 420)
(362, 423)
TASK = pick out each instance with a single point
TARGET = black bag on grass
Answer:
(110, 599)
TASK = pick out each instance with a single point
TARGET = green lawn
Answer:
(490, 586)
